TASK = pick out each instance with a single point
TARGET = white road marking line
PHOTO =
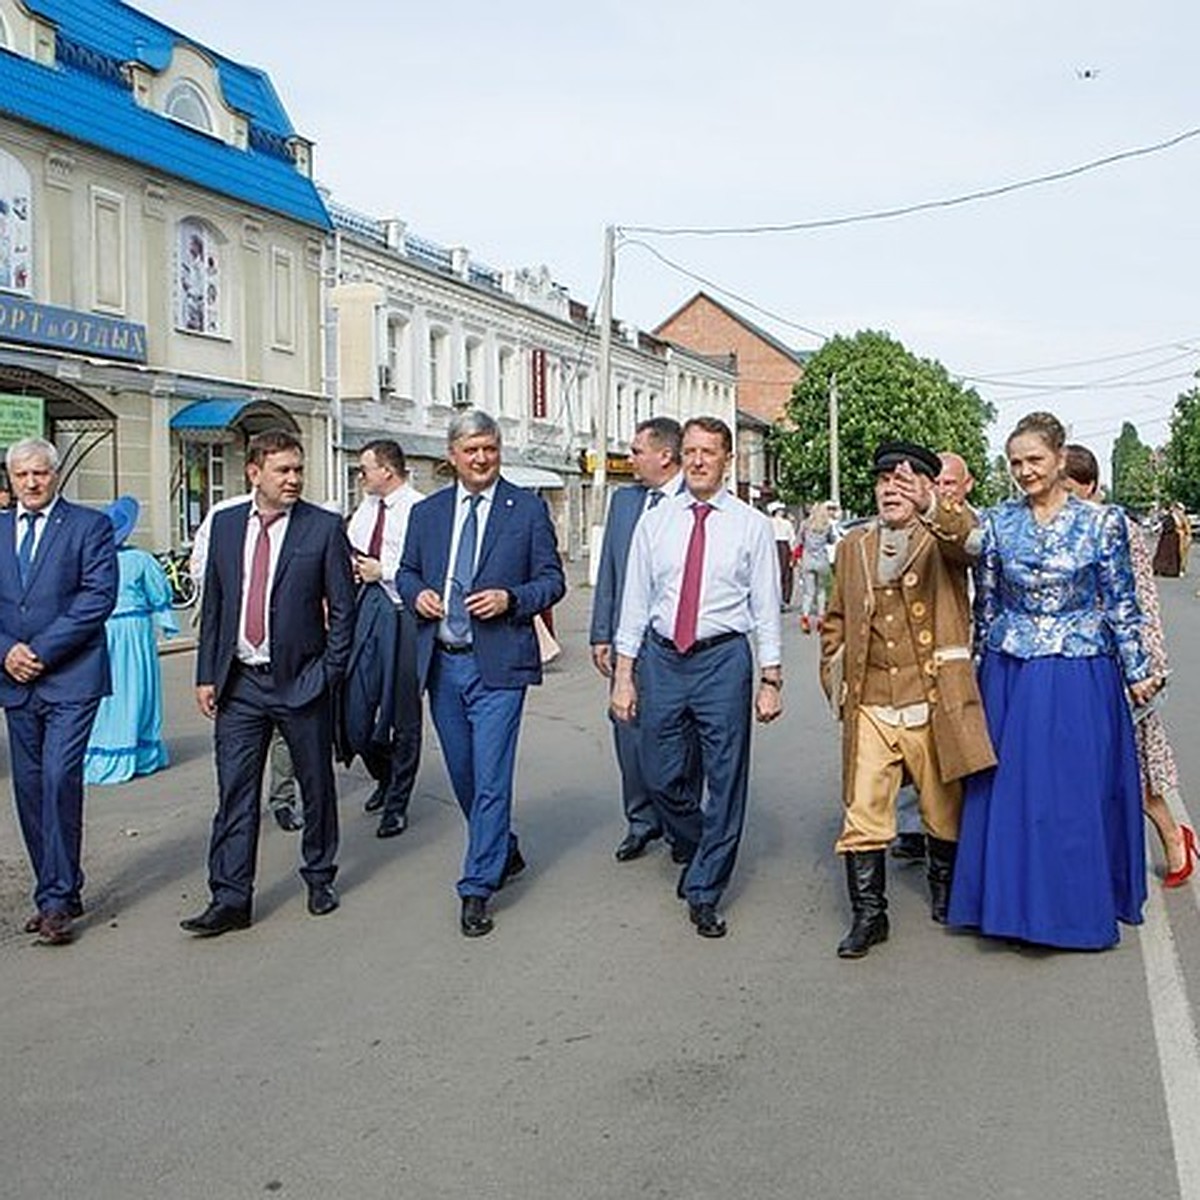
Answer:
(1175, 1036)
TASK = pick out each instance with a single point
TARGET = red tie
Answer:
(260, 568)
(375, 545)
(693, 572)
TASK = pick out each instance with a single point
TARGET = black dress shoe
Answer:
(322, 899)
(475, 921)
(633, 845)
(513, 865)
(374, 800)
(217, 919)
(73, 909)
(708, 922)
(391, 824)
(288, 819)
(681, 852)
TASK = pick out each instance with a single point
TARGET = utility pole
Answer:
(603, 384)
(835, 482)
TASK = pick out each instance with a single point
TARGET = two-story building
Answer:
(161, 254)
(424, 330)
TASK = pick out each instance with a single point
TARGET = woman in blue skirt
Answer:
(127, 736)
(1050, 850)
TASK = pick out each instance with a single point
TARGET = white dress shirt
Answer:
(739, 591)
(461, 508)
(276, 532)
(39, 527)
(399, 503)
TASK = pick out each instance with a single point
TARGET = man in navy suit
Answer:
(58, 583)
(655, 454)
(275, 630)
(479, 562)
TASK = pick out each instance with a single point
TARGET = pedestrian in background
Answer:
(126, 738)
(1160, 775)
(656, 457)
(381, 701)
(785, 540)
(814, 540)
(1051, 848)
(58, 583)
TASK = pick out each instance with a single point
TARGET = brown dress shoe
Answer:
(55, 929)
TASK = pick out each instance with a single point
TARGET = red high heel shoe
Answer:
(1174, 879)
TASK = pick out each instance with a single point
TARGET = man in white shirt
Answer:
(383, 701)
(702, 578)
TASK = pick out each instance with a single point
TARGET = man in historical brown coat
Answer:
(896, 666)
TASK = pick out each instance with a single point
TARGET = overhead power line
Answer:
(905, 210)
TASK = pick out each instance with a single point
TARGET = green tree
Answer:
(884, 392)
(1182, 454)
(1135, 481)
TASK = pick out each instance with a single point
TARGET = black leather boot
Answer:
(866, 875)
(940, 873)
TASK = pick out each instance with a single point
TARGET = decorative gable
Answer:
(189, 91)
(26, 34)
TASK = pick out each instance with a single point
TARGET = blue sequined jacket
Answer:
(1064, 588)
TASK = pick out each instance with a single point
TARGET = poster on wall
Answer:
(15, 241)
(21, 417)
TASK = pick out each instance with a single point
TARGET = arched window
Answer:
(187, 104)
(199, 283)
(4, 39)
(16, 222)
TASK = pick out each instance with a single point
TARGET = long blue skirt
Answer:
(1051, 845)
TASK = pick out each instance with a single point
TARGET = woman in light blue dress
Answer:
(127, 735)
(1051, 844)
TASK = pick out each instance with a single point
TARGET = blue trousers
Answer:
(702, 698)
(478, 726)
(46, 745)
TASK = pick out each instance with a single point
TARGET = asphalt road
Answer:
(593, 1046)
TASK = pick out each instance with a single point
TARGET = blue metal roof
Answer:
(85, 97)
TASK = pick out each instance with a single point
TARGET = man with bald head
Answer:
(954, 481)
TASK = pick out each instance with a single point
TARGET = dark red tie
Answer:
(260, 569)
(375, 545)
(688, 613)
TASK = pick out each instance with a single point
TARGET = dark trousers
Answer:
(704, 697)
(787, 570)
(46, 746)
(246, 716)
(396, 766)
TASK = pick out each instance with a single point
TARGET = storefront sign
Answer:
(62, 329)
(616, 464)
(21, 417)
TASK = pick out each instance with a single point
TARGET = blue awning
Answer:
(208, 414)
(215, 415)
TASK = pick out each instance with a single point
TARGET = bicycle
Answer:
(176, 565)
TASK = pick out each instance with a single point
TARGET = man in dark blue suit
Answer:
(275, 631)
(58, 583)
(479, 562)
(655, 454)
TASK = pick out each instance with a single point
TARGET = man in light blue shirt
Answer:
(702, 578)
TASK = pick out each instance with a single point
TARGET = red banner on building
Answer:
(537, 361)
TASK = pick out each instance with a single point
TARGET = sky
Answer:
(521, 129)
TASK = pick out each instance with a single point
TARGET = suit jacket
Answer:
(938, 622)
(61, 610)
(624, 511)
(518, 553)
(311, 603)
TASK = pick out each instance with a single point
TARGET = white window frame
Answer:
(190, 89)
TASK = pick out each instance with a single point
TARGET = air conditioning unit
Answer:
(461, 395)
(385, 378)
